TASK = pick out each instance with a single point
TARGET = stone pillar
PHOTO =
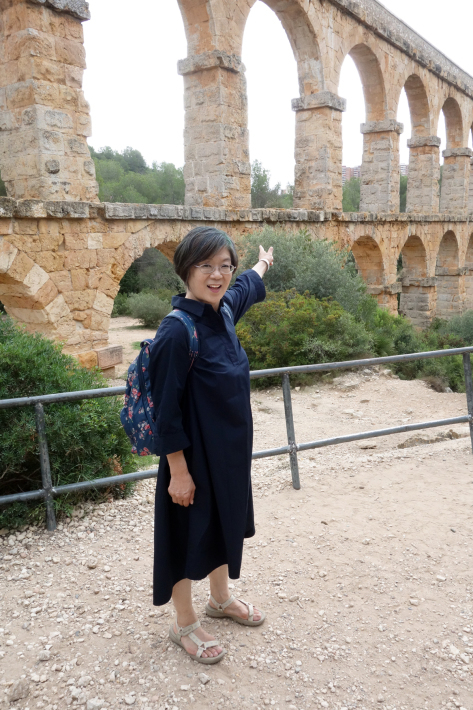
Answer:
(386, 296)
(423, 191)
(44, 118)
(216, 145)
(318, 151)
(418, 299)
(380, 168)
(455, 180)
(451, 293)
(470, 191)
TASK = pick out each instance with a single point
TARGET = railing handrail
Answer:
(254, 374)
(48, 491)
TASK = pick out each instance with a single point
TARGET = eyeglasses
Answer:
(225, 269)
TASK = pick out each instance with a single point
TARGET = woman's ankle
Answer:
(185, 619)
(220, 597)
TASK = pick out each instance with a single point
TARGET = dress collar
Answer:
(196, 308)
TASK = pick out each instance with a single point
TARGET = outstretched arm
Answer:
(261, 267)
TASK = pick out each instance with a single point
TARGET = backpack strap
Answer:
(192, 332)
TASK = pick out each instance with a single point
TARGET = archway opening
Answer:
(419, 170)
(369, 260)
(448, 277)
(272, 80)
(452, 196)
(351, 89)
(370, 265)
(416, 301)
(143, 299)
(139, 56)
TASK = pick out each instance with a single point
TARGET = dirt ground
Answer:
(365, 575)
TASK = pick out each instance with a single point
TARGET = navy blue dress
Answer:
(205, 412)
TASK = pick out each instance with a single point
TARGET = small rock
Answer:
(44, 656)
(107, 635)
(324, 522)
(106, 568)
(95, 704)
(322, 573)
(440, 578)
(130, 699)
(366, 541)
(253, 664)
(294, 598)
(414, 602)
(20, 689)
(380, 699)
(204, 679)
(92, 563)
(321, 612)
(185, 687)
(84, 681)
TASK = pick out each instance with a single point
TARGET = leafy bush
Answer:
(121, 306)
(290, 329)
(317, 266)
(85, 438)
(149, 308)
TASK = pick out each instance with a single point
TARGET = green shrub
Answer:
(121, 306)
(148, 308)
(317, 266)
(289, 329)
(85, 438)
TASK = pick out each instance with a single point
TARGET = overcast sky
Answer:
(136, 95)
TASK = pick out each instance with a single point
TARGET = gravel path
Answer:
(365, 575)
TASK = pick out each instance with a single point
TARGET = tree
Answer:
(263, 195)
(125, 177)
(403, 193)
(351, 195)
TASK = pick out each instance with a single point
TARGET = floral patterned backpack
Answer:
(138, 416)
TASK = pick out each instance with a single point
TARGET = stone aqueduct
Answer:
(63, 253)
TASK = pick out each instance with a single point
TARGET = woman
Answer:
(204, 505)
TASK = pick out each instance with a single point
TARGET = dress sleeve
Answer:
(168, 368)
(247, 290)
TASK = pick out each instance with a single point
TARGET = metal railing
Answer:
(48, 491)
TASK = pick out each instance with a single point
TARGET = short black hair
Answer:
(199, 244)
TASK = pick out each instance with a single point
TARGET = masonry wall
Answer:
(61, 263)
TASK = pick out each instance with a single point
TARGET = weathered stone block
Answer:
(88, 359)
(110, 356)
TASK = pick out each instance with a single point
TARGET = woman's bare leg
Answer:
(182, 600)
(220, 592)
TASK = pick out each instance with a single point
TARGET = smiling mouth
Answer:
(215, 288)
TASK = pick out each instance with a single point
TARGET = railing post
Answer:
(291, 436)
(469, 390)
(45, 468)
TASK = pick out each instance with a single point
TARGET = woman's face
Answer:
(209, 288)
